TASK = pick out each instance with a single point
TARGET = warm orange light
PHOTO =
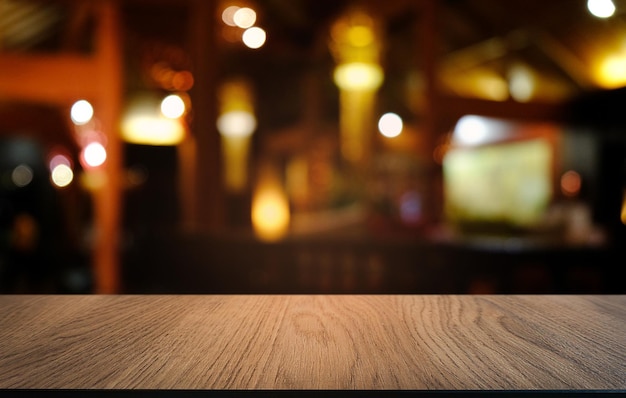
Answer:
(570, 183)
(623, 213)
(270, 209)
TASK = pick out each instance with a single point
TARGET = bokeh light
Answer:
(145, 122)
(612, 71)
(411, 208)
(390, 125)
(228, 15)
(244, 17)
(601, 8)
(471, 130)
(254, 37)
(173, 106)
(94, 154)
(81, 112)
(22, 175)
(62, 175)
(571, 183)
(270, 213)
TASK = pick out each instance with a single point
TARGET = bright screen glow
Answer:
(505, 183)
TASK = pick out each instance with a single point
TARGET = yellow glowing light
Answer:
(360, 36)
(236, 95)
(94, 154)
(235, 152)
(81, 112)
(270, 215)
(390, 125)
(152, 130)
(601, 8)
(612, 72)
(228, 15)
(358, 76)
(270, 210)
(145, 123)
(172, 106)
(244, 17)
(254, 37)
(62, 175)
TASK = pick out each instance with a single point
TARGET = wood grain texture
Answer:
(464, 342)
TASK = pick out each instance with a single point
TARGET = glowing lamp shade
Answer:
(612, 71)
(358, 76)
(270, 210)
(236, 124)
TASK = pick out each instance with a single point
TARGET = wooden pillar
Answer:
(60, 79)
(207, 196)
(427, 41)
(107, 198)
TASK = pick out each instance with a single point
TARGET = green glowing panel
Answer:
(506, 183)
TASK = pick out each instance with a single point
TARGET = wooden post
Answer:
(427, 42)
(107, 198)
(209, 193)
(60, 79)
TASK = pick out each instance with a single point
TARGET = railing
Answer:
(204, 264)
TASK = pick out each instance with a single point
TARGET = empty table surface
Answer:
(416, 342)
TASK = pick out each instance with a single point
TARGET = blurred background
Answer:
(302, 146)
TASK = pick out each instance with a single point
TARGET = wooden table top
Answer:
(416, 342)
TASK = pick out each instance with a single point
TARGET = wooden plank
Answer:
(427, 342)
(58, 79)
